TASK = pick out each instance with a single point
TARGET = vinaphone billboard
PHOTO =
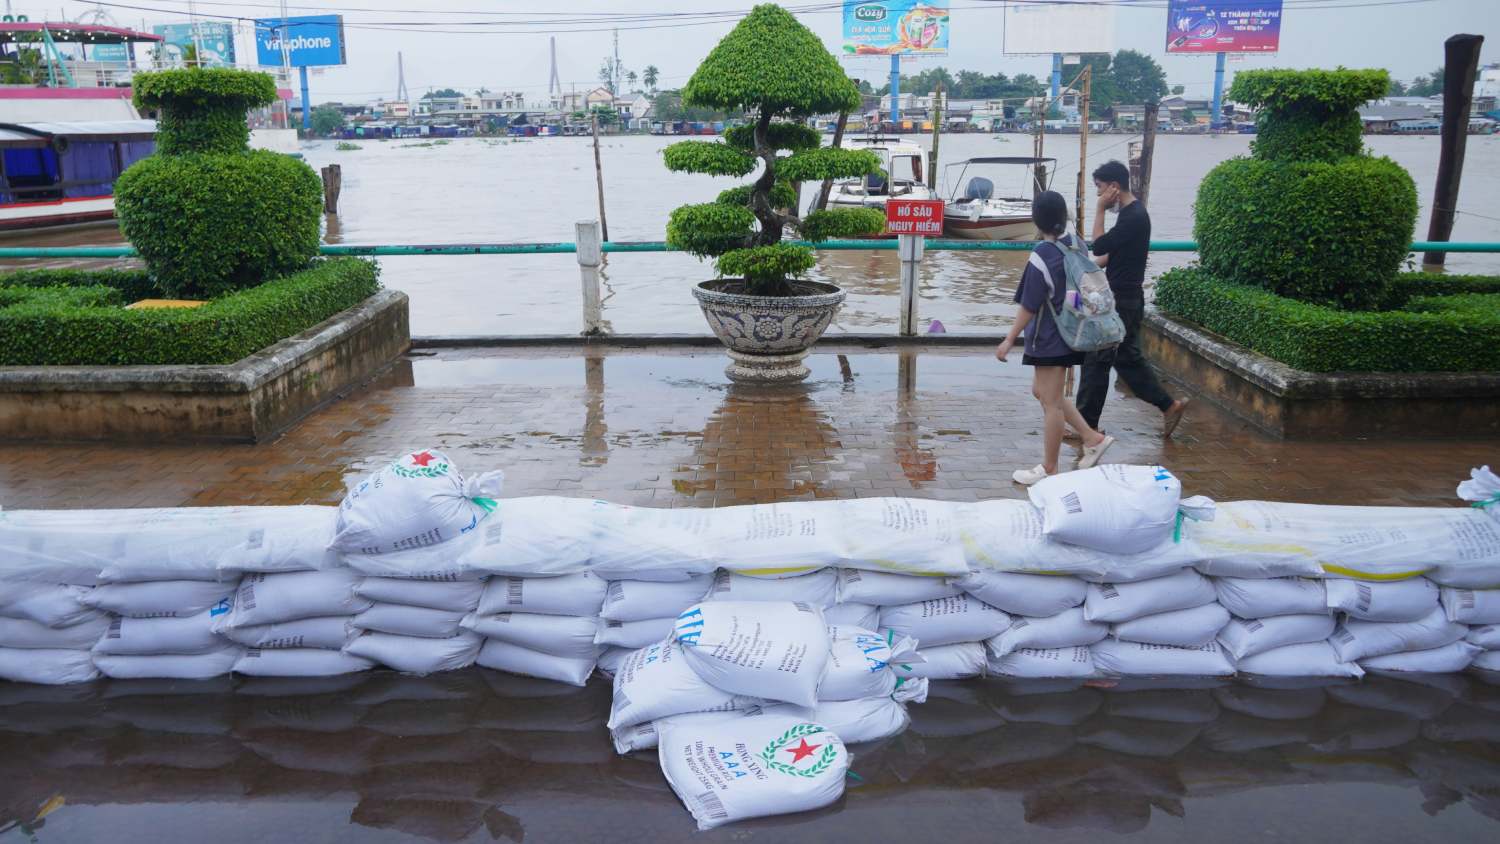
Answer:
(311, 40)
(896, 28)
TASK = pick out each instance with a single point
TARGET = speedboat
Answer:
(973, 211)
(901, 176)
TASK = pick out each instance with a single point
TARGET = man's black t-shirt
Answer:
(1126, 245)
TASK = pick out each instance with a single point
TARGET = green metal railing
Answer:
(394, 250)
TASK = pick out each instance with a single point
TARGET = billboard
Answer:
(110, 53)
(311, 40)
(217, 38)
(1063, 26)
(896, 28)
(1223, 26)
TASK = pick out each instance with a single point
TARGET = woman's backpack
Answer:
(1087, 320)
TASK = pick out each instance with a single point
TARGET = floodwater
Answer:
(496, 190)
(477, 755)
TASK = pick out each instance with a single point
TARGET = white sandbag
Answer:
(1244, 637)
(794, 536)
(1044, 662)
(768, 649)
(505, 656)
(1114, 602)
(25, 633)
(284, 596)
(1309, 659)
(1450, 658)
(911, 536)
(611, 658)
(51, 604)
(859, 663)
(643, 736)
(1112, 656)
(634, 634)
(1065, 629)
(1116, 508)
(853, 615)
(1261, 597)
(1400, 600)
(452, 595)
(1488, 660)
(1356, 640)
(1006, 535)
(417, 500)
(1470, 606)
(538, 536)
(1273, 539)
(656, 682)
(558, 635)
(159, 598)
(154, 636)
(325, 632)
(945, 621)
(638, 600)
(853, 721)
(299, 662)
(198, 666)
(1185, 628)
(569, 594)
(175, 543)
(820, 588)
(402, 620)
(752, 767)
(51, 667)
(1036, 595)
(944, 662)
(416, 655)
(296, 541)
(1487, 637)
(879, 588)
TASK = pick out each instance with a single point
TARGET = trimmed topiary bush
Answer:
(208, 215)
(1309, 216)
(776, 69)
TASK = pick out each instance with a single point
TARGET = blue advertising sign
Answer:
(311, 40)
(110, 53)
(896, 27)
(216, 38)
(1223, 26)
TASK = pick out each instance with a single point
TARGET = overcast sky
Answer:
(1404, 36)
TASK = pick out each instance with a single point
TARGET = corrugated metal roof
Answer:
(82, 129)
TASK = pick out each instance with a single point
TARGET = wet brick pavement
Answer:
(662, 428)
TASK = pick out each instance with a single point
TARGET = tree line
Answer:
(1127, 77)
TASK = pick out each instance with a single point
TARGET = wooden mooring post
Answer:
(1461, 62)
(599, 180)
(333, 182)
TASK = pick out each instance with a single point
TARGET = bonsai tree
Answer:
(777, 71)
(1309, 215)
(208, 214)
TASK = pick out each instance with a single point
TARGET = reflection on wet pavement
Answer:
(478, 755)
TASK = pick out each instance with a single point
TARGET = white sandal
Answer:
(1092, 453)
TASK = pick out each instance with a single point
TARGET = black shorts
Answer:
(1069, 359)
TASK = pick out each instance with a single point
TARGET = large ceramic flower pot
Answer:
(768, 336)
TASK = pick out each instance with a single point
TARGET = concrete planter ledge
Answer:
(251, 400)
(1294, 403)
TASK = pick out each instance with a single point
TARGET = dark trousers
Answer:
(1126, 359)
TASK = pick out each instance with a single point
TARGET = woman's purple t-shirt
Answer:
(1042, 337)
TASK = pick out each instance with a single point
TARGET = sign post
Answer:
(911, 221)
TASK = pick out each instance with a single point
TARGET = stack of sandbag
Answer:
(1280, 626)
(165, 628)
(1397, 626)
(46, 632)
(1480, 607)
(638, 613)
(402, 525)
(293, 623)
(540, 626)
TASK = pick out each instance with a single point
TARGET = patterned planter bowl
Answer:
(768, 336)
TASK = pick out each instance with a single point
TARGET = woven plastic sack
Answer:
(945, 621)
(819, 588)
(158, 598)
(1187, 628)
(50, 604)
(152, 636)
(1488, 660)
(299, 662)
(879, 588)
(1401, 600)
(656, 682)
(767, 649)
(944, 662)
(506, 656)
(1006, 535)
(558, 635)
(1448, 659)
(199, 666)
(1310, 659)
(272, 598)
(451, 595)
(25, 633)
(853, 615)
(1248, 637)
(1117, 508)
(634, 634)
(417, 655)
(1066, 629)
(402, 620)
(752, 767)
(859, 663)
(1116, 602)
(638, 600)
(324, 632)
(49, 667)
(1044, 662)
(1112, 656)
(579, 594)
(417, 500)
(1356, 640)
(853, 721)
(1470, 606)
(1487, 637)
(1261, 597)
(1036, 595)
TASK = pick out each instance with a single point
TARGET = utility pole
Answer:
(197, 36)
(1083, 144)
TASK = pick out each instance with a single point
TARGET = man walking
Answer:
(1122, 253)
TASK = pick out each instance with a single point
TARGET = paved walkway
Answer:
(662, 428)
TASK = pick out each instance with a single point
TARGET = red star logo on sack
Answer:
(422, 458)
(802, 751)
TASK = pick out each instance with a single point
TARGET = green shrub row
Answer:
(44, 327)
(1438, 334)
(1444, 284)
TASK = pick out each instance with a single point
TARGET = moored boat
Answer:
(901, 176)
(63, 174)
(973, 211)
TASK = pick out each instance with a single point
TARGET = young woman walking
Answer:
(1044, 349)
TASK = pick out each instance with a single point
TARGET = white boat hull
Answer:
(85, 210)
(1002, 228)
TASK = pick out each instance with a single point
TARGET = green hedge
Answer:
(63, 318)
(1438, 334)
(1444, 284)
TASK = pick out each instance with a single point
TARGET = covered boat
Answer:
(979, 210)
